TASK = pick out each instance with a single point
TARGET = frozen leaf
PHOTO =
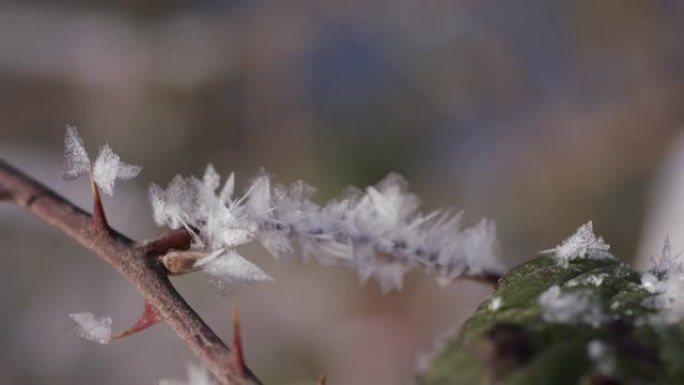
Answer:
(91, 328)
(109, 167)
(76, 160)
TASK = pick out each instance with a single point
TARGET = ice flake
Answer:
(211, 179)
(601, 356)
(228, 188)
(570, 307)
(76, 160)
(227, 267)
(109, 167)
(92, 329)
(583, 244)
(197, 375)
(666, 264)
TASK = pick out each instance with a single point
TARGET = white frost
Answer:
(91, 328)
(107, 167)
(571, 307)
(226, 268)
(197, 375)
(665, 281)
(379, 232)
(76, 160)
(582, 244)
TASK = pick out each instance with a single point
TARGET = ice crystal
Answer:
(107, 168)
(380, 232)
(76, 160)
(582, 244)
(571, 307)
(226, 268)
(665, 281)
(91, 328)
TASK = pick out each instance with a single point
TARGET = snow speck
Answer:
(91, 328)
(495, 304)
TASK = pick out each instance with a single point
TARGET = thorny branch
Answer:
(147, 267)
(136, 262)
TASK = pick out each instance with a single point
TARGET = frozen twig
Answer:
(137, 263)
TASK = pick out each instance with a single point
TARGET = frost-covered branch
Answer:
(379, 231)
(137, 263)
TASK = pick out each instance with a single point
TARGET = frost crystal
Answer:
(76, 160)
(92, 329)
(225, 268)
(571, 307)
(197, 375)
(665, 281)
(601, 356)
(582, 244)
(107, 167)
(379, 232)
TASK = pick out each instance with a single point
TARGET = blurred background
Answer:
(541, 115)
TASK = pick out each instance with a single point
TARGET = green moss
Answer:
(515, 345)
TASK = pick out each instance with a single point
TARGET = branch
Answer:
(137, 263)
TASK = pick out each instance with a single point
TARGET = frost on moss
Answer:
(590, 320)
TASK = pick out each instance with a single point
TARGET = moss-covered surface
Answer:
(515, 345)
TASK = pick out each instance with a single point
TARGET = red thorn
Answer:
(99, 217)
(148, 318)
(237, 355)
(321, 380)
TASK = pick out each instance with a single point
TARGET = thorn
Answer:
(321, 380)
(148, 318)
(99, 217)
(237, 355)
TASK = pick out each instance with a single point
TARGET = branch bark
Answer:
(136, 262)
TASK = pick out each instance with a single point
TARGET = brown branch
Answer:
(134, 262)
